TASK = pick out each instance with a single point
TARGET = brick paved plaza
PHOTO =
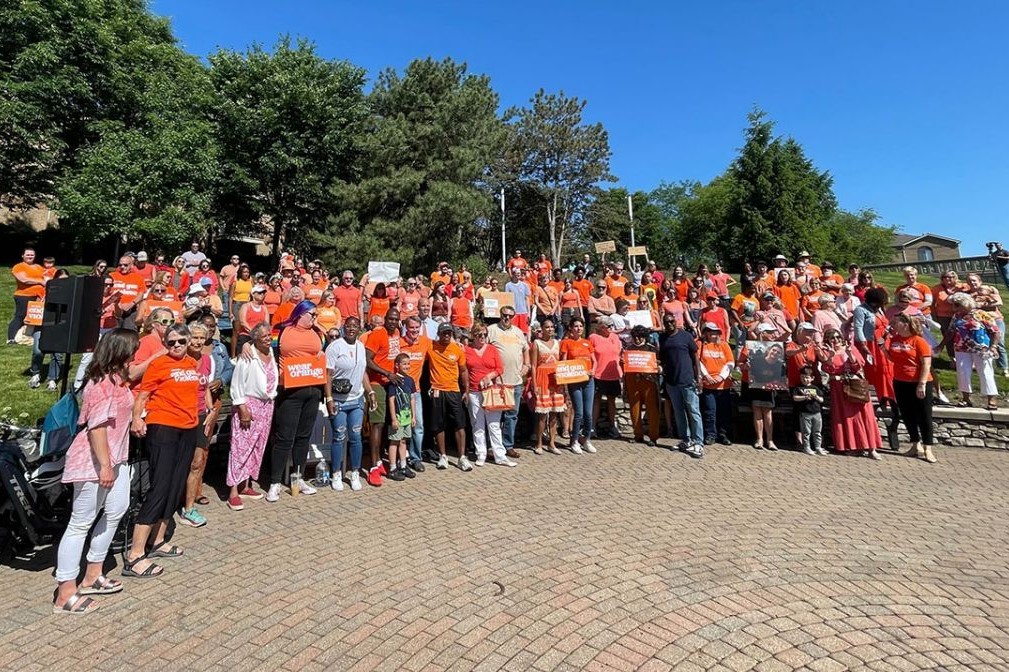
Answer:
(630, 559)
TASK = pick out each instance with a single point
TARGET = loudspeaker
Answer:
(72, 314)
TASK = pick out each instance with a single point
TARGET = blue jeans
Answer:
(1004, 272)
(511, 418)
(416, 446)
(687, 411)
(581, 399)
(349, 415)
(715, 405)
(1003, 359)
(55, 359)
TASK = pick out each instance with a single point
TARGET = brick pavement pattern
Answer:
(631, 559)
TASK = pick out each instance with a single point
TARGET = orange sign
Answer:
(34, 316)
(572, 371)
(304, 371)
(174, 306)
(640, 361)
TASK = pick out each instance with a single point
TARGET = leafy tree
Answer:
(559, 159)
(289, 125)
(856, 237)
(422, 193)
(607, 219)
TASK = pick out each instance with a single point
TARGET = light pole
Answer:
(630, 214)
(504, 249)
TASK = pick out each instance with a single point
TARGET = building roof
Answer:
(904, 239)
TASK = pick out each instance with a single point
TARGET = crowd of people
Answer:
(416, 368)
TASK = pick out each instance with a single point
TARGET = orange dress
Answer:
(548, 394)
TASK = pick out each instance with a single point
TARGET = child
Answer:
(807, 397)
(402, 419)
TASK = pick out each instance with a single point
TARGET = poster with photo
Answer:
(767, 365)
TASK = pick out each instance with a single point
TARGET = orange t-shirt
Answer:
(462, 316)
(558, 286)
(272, 300)
(789, 295)
(409, 304)
(580, 348)
(33, 271)
(682, 287)
(713, 357)
(297, 342)
(174, 385)
(282, 313)
(921, 290)
(907, 355)
(445, 361)
(147, 273)
(314, 292)
(570, 299)
(418, 355)
(811, 302)
(348, 300)
(384, 348)
(584, 288)
(328, 317)
(129, 285)
(377, 306)
(251, 316)
(615, 287)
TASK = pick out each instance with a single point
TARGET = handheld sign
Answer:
(572, 371)
(640, 317)
(606, 246)
(638, 250)
(34, 316)
(640, 361)
(383, 271)
(493, 302)
(174, 306)
(767, 365)
(304, 371)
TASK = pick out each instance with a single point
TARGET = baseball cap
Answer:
(711, 326)
(807, 326)
(445, 326)
(761, 328)
(259, 288)
(206, 282)
(141, 256)
(767, 295)
(196, 289)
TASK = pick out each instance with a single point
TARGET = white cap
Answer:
(196, 289)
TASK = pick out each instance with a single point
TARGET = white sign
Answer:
(642, 317)
(383, 271)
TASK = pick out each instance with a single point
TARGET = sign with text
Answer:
(640, 317)
(304, 371)
(640, 361)
(606, 246)
(572, 371)
(383, 271)
(34, 316)
(493, 302)
(174, 306)
(637, 250)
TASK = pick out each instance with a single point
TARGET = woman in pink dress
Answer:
(853, 423)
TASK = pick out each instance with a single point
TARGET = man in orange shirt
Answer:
(315, 289)
(415, 344)
(382, 348)
(557, 282)
(130, 286)
(583, 286)
(547, 301)
(811, 269)
(830, 279)
(517, 261)
(350, 299)
(145, 269)
(30, 284)
(543, 266)
(615, 282)
(442, 274)
(449, 385)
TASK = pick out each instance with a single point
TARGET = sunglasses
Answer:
(157, 291)
(312, 314)
(165, 322)
(506, 316)
(174, 342)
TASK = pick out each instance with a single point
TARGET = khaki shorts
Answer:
(377, 417)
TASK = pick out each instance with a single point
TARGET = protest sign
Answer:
(304, 371)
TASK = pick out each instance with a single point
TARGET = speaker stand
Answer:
(65, 375)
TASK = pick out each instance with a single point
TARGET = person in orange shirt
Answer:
(830, 280)
(284, 310)
(131, 287)
(788, 292)
(584, 288)
(680, 283)
(942, 309)
(250, 314)
(811, 299)
(517, 261)
(557, 281)
(913, 384)
(274, 295)
(415, 344)
(409, 300)
(449, 386)
(329, 319)
(382, 348)
(543, 266)
(717, 364)
(571, 304)
(460, 309)
(615, 283)
(315, 289)
(147, 270)
(546, 299)
(349, 299)
(378, 306)
(30, 282)
(650, 290)
(922, 293)
(812, 270)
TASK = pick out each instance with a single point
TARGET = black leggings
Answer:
(20, 311)
(293, 421)
(170, 451)
(916, 413)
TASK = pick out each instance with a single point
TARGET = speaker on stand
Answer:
(71, 318)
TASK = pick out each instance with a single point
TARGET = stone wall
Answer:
(970, 427)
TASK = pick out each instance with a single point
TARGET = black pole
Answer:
(65, 378)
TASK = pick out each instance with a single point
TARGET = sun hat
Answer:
(711, 326)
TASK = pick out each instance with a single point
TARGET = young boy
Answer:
(402, 419)
(807, 398)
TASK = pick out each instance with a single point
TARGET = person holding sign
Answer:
(303, 381)
(30, 286)
(544, 355)
(576, 347)
(641, 384)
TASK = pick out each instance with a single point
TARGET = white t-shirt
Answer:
(347, 361)
(193, 260)
(512, 344)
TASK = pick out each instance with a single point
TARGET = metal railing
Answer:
(964, 265)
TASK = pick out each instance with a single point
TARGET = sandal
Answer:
(992, 406)
(963, 404)
(103, 585)
(76, 605)
(172, 552)
(537, 451)
(152, 570)
(203, 500)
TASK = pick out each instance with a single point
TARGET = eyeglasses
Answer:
(174, 342)
(312, 314)
(157, 291)
(506, 316)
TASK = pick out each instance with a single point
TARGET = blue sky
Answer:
(905, 103)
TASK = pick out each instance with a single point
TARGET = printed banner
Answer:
(637, 250)
(34, 316)
(174, 306)
(304, 371)
(640, 317)
(606, 246)
(640, 361)
(572, 371)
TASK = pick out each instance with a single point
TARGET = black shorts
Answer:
(202, 440)
(446, 409)
(607, 388)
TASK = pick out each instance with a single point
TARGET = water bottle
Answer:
(322, 472)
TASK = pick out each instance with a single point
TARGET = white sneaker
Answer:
(576, 448)
(355, 480)
(508, 463)
(337, 482)
(305, 489)
(480, 461)
(51, 386)
(442, 462)
(35, 381)
(273, 494)
(588, 447)
(465, 464)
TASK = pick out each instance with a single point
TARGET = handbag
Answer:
(342, 386)
(855, 389)
(499, 398)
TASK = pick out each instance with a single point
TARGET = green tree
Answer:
(422, 193)
(856, 237)
(607, 218)
(289, 125)
(559, 159)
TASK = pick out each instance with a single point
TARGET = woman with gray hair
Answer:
(974, 335)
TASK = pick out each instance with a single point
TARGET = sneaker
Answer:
(51, 386)
(305, 489)
(576, 448)
(337, 482)
(808, 450)
(508, 463)
(442, 462)
(192, 517)
(696, 450)
(758, 446)
(465, 464)
(480, 461)
(709, 441)
(408, 472)
(249, 493)
(417, 465)
(396, 475)
(375, 477)
(235, 503)
(35, 381)
(724, 440)
(273, 494)
(588, 447)
(355, 480)
(649, 443)
(11, 341)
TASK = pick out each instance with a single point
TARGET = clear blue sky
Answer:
(905, 103)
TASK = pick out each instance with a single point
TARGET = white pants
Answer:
(965, 362)
(89, 499)
(483, 423)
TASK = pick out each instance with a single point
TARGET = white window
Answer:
(925, 253)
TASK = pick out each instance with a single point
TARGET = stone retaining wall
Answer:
(971, 427)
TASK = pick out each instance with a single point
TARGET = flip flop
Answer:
(172, 552)
(151, 572)
(203, 500)
(103, 585)
(76, 605)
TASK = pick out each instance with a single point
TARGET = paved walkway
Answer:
(630, 559)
